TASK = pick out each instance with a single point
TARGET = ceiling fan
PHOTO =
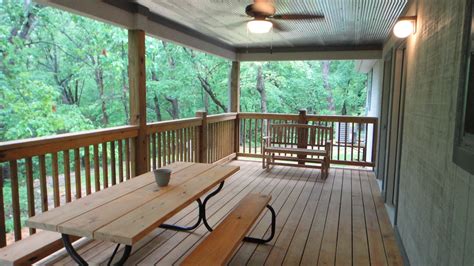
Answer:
(264, 17)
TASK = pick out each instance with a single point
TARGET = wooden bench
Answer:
(219, 246)
(31, 249)
(299, 143)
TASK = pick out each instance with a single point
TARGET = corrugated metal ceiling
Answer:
(346, 22)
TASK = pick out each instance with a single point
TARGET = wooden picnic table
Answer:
(127, 212)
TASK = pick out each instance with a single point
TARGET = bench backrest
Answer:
(300, 135)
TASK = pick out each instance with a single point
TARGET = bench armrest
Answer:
(265, 142)
(328, 148)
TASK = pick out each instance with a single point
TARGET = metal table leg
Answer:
(185, 228)
(201, 216)
(204, 219)
(272, 234)
(80, 261)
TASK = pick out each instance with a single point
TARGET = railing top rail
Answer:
(269, 116)
(301, 126)
(328, 118)
(8, 145)
(221, 117)
(342, 118)
(17, 149)
(173, 124)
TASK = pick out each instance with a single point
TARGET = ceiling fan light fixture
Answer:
(259, 26)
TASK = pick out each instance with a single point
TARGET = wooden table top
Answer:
(126, 212)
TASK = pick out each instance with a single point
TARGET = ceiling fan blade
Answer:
(297, 16)
(277, 26)
(236, 24)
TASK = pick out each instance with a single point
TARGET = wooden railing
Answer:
(99, 158)
(220, 137)
(172, 141)
(43, 173)
(354, 140)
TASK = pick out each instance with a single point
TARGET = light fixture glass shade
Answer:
(259, 26)
(404, 28)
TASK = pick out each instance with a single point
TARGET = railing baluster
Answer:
(77, 172)
(30, 192)
(120, 154)
(168, 142)
(180, 144)
(244, 139)
(96, 168)
(15, 199)
(194, 144)
(186, 147)
(87, 169)
(160, 151)
(105, 172)
(359, 136)
(3, 231)
(366, 142)
(43, 183)
(153, 149)
(67, 175)
(173, 146)
(113, 163)
(127, 158)
(55, 176)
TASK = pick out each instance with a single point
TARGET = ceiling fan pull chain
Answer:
(271, 42)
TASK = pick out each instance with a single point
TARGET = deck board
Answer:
(340, 220)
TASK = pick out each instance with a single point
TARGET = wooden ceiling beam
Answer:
(314, 53)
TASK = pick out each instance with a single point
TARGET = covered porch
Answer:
(387, 199)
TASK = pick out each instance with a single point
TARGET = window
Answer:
(464, 143)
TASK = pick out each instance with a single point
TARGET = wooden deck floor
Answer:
(341, 220)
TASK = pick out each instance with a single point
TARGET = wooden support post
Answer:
(237, 135)
(202, 138)
(234, 87)
(137, 83)
(374, 144)
(302, 135)
(234, 100)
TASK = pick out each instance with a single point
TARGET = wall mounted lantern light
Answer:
(404, 27)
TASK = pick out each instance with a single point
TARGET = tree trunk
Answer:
(123, 97)
(174, 110)
(99, 79)
(28, 24)
(325, 66)
(205, 84)
(157, 108)
(261, 89)
(207, 87)
(171, 61)
(205, 100)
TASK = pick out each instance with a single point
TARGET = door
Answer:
(394, 133)
(386, 88)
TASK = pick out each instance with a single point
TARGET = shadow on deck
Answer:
(339, 220)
